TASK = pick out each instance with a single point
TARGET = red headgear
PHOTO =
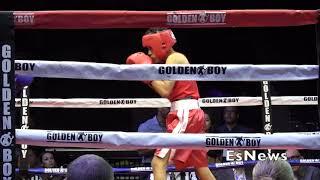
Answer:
(160, 43)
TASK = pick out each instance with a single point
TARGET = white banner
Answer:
(203, 72)
(135, 140)
(162, 102)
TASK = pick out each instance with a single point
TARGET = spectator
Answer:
(31, 160)
(231, 118)
(157, 123)
(272, 170)
(47, 161)
(209, 123)
(89, 167)
(20, 82)
(302, 172)
(213, 155)
(229, 173)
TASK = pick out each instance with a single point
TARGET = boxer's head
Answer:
(159, 42)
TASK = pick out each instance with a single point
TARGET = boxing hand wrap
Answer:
(140, 58)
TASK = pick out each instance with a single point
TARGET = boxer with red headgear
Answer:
(185, 115)
(160, 43)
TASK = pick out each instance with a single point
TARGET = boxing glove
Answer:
(140, 58)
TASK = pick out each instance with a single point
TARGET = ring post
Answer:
(24, 112)
(266, 108)
(7, 136)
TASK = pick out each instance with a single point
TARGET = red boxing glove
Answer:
(140, 58)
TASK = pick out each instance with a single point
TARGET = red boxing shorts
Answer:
(185, 117)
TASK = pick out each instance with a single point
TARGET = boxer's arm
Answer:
(164, 87)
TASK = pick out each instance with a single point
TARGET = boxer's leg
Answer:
(159, 167)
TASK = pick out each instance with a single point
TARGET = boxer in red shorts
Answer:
(185, 114)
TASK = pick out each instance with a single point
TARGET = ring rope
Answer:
(213, 166)
(163, 102)
(135, 140)
(199, 72)
(174, 19)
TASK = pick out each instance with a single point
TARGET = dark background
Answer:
(285, 45)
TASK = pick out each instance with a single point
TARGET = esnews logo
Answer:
(253, 155)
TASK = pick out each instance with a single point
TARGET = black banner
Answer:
(24, 112)
(7, 111)
(266, 107)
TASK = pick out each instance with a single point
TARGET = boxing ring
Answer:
(200, 72)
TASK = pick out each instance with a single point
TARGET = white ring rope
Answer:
(203, 72)
(162, 102)
(135, 140)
